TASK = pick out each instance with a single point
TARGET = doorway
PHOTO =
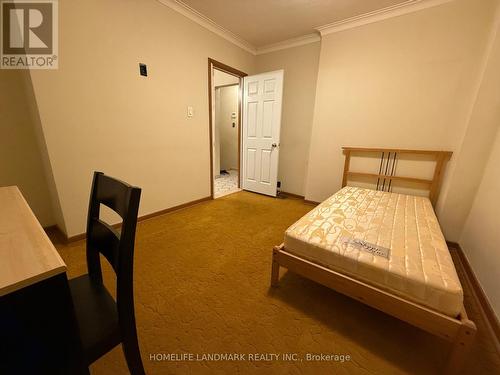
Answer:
(225, 95)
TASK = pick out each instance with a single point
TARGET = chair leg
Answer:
(132, 353)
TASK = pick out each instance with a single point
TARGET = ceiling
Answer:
(264, 22)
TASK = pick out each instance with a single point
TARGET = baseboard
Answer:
(56, 234)
(75, 238)
(478, 294)
(175, 208)
(82, 236)
(313, 203)
(292, 195)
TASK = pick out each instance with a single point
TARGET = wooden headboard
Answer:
(387, 169)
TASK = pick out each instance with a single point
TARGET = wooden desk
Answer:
(26, 252)
(37, 322)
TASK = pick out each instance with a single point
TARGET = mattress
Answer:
(388, 240)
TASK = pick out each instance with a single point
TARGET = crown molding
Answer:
(406, 7)
(207, 23)
(289, 43)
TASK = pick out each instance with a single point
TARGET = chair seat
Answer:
(97, 317)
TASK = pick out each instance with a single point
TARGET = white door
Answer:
(262, 97)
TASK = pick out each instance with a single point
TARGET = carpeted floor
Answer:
(202, 286)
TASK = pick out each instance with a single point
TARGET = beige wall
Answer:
(20, 157)
(222, 78)
(481, 237)
(97, 113)
(403, 82)
(478, 139)
(228, 97)
(301, 72)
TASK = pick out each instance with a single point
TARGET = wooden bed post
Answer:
(346, 167)
(275, 268)
(461, 346)
(436, 180)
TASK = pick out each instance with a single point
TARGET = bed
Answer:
(385, 249)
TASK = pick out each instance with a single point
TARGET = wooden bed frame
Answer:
(460, 330)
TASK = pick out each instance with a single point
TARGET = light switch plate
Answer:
(190, 111)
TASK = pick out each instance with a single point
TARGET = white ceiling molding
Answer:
(408, 6)
(207, 23)
(379, 15)
(294, 42)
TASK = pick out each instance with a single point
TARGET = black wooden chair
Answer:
(104, 323)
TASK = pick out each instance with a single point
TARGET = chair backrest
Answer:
(117, 247)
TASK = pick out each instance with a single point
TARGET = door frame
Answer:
(214, 64)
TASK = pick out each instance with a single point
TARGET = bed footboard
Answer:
(460, 330)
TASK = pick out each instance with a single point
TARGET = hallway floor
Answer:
(226, 184)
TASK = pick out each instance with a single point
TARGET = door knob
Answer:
(274, 145)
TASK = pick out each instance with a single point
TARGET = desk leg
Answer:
(39, 333)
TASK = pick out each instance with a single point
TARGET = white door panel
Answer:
(262, 98)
